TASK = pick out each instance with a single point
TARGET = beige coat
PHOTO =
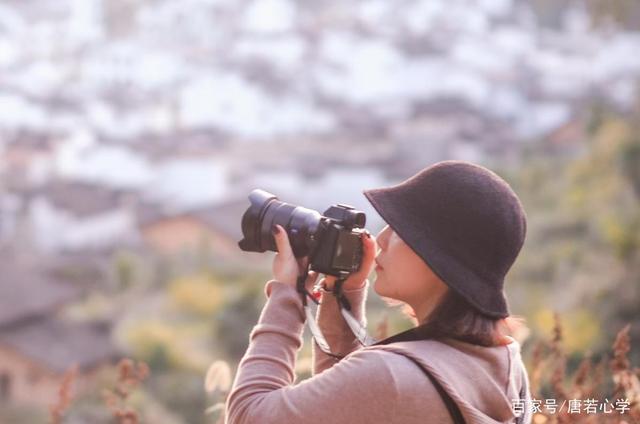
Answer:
(372, 384)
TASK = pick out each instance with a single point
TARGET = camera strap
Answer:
(311, 320)
(356, 327)
(359, 331)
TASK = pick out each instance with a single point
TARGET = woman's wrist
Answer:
(346, 287)
(355, 286)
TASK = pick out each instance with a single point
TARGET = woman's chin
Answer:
(388, 296)
(378, 286)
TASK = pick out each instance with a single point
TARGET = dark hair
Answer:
(454, 317)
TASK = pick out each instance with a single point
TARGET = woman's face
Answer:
(401, 274)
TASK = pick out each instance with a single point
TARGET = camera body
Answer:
(339, 246)
(331, 240)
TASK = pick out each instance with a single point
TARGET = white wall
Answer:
(53, 229)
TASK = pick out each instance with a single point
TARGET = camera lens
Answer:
(265, 212)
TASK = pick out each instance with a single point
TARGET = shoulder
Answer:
(369, 369)
(415, 394)
(362, 377)
(394, 368)
(369, 362)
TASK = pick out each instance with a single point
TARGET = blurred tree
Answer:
(181, 391)
(124, 268)
(604, 186)
(630, 161)
(582, 251)
(156, 343)
(236, 318)
(196, 294)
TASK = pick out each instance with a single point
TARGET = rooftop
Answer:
(26, 292)
(59, 345)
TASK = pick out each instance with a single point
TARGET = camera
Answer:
(331, 240)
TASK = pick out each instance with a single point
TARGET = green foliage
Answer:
(181, 391)
(196, 294)
(237, 317)
(623, 236)
(630, 162)
(582, 251)
(582, 328)
(158, 358)
(156, 343)
(125, 270)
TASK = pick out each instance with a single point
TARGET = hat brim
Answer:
(390, 206)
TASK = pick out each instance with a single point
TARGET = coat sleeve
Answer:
(335, 329)
(263, 390)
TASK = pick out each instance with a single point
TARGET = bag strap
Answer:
(520, 418)
(451, 405)
(454, 411)
(523, 396)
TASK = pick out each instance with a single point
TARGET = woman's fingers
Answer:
(285, 255)
(312, 277)
(282, 242)
(368, 256)
(329, 281)
(369, 248)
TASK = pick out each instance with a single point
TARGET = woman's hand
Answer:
(286, 267)
(356, 280)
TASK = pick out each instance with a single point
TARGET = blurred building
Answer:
(37, 346)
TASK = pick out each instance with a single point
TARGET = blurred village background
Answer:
(131, 132)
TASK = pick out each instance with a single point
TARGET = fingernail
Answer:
(367, 233)
(275, 229)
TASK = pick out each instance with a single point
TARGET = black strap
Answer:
(339, 294)
(300, 287)
(452, 407)
(410, 335)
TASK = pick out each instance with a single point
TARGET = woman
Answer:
(453, 231)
